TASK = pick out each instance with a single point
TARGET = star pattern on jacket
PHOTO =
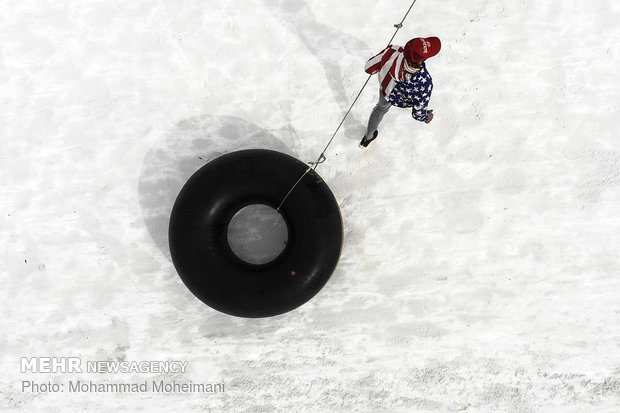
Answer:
(414, 93)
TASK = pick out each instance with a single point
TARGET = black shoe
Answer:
(366, 141)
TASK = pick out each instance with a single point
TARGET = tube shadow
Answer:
(186, 148)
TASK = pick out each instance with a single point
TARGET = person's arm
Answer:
(421, 114)
(422, 97)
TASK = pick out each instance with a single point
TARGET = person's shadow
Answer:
(328, 45)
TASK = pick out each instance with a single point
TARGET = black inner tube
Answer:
(199, 226)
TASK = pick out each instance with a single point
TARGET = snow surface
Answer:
(480, 269)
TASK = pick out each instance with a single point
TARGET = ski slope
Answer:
(480, 270)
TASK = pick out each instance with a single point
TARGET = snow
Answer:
(480, 265)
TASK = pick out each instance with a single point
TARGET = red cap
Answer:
(421, 48)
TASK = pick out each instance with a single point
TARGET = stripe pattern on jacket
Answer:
(389, 65)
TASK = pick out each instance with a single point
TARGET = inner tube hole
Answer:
(257, 234)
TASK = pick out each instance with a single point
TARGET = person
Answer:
(404, 81)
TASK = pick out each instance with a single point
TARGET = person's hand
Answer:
(430, 116)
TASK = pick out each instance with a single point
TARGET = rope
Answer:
(322, 157)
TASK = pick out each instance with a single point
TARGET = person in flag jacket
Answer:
(404, 81)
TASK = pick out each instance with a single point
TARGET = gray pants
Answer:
(376, 116)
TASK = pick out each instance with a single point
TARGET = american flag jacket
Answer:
(400, 84)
